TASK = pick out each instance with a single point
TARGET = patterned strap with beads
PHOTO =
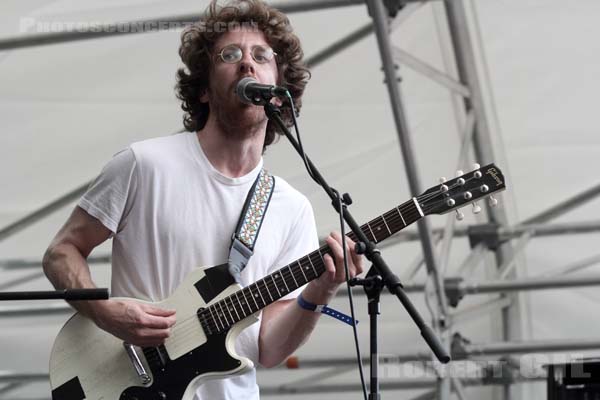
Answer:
(248, 227)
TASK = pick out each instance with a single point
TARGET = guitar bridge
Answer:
(137, 364)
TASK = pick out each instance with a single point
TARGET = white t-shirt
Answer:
(171, 211)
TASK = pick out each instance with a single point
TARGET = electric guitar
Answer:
(89, 363)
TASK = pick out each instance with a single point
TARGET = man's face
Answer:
(235, 117)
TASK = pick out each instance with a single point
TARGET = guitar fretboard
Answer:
(221, 315)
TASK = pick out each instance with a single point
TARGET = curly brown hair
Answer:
(197, 46)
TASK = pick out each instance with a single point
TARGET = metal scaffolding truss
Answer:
(495, 239)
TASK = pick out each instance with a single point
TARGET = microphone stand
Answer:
(369, 249)
(64, 294)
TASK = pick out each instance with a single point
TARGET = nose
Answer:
(247, 64)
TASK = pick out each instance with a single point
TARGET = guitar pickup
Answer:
(137, 363)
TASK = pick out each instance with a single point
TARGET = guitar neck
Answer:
(273, 287)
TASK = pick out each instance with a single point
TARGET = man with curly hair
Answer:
(171, 204)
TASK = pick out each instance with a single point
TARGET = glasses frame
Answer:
(220, 54)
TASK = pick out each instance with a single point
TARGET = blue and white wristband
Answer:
(323, 309)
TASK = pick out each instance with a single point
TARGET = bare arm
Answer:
(285, 325)
(66, 267)
(65, 262)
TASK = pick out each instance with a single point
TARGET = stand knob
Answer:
(347, 199)
(360, 247)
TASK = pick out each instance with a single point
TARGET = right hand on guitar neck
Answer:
(136, 323)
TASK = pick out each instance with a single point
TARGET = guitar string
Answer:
(269, 286)
(395, 217)
(286, 274)
(213, 326)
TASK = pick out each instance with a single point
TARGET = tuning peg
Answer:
(477, 174)
(443, 179)
(459, 172)
(476, 208)
(459, 216)
(493, 201)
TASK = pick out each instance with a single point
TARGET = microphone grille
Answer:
(241, 88)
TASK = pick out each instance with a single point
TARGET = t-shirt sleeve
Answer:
(110, 196)
(302, 240)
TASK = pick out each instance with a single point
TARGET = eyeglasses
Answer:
(232, 54)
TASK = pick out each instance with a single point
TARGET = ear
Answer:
(204, 97)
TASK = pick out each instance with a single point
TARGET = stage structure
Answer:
(496, 241)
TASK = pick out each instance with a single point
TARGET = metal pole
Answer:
(7, 376)
(543, 346)
(17, 264)
(26, 311)
(564, 206)
(21, 280)
(482, 142)
(508, 232)
(576, 266)
(339, 45)
(42, 212)
(528, 284)
(403, 385)
(359, 34)
(462, 352)
(503, 285)
(152, 25)
(380, 18)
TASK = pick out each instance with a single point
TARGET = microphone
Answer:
(251, 92)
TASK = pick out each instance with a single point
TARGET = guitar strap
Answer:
(248, 227)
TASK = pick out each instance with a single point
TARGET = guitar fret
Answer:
(235, 309)
(313, 266)
(268, 291)
(418, 207)
(284, 282)
(260, 294)
(399, 213)
(323, 258)
(275, 283)
(241, 305)
(209, 308)
(205, 322)
(249, 307)
(222, 312)
(227, 308)
(386, 225)
(293, 277)
(217, 314)
(213, 316)
(372, 234)
(218, 317)
(301, 270)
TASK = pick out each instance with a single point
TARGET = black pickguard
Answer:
(172, 378)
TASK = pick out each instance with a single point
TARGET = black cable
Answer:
(310, 172)
(340, 208)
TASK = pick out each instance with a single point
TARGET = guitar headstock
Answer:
(465, 189)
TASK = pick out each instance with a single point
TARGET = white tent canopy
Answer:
(66, 108)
